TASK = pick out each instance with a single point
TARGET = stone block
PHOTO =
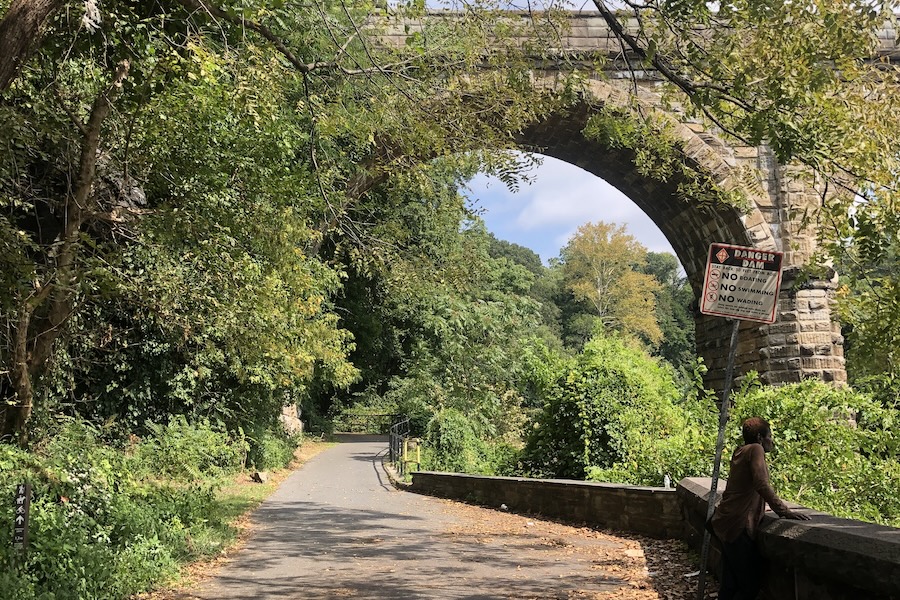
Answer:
(776, 340)
(808, 326)
(821, 363)
(824, 349)
(780, 351)
(813, 293)
(781, 377)
(815, 337)
(785, 364)
(781, 327)
(818, 304)
(835, 376)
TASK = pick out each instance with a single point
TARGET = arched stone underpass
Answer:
(805, 340)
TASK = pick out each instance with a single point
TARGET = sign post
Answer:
(741, 284)
(21, 508)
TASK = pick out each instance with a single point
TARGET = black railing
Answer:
(399, 432)
(364, 422)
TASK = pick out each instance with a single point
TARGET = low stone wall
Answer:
(826, 558)
(654, 512)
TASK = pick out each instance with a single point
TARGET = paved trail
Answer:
(336, 528)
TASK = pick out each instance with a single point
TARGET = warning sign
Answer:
(741, 283)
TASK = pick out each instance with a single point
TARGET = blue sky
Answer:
(544, 215)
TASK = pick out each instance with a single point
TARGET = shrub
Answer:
(103, 524)
(836, 449)
(616, 415)
(268, 449)
(453, 444)
(191, 450)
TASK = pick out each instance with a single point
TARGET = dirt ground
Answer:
(650, 569)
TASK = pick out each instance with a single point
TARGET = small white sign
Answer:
(741, 283)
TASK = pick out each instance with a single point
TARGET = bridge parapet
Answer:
(586, 32)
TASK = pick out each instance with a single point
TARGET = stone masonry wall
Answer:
(654, 512)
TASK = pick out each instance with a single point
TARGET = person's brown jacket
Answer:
(746, 495)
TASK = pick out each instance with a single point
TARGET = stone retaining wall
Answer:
(654, 512)
(826, 558)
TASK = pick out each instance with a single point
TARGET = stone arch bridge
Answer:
(805, 341)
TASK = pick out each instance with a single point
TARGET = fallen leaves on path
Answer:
(648, 569)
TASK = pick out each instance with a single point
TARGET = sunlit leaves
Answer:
(602, 267)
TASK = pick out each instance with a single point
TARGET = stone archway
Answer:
(805, 341)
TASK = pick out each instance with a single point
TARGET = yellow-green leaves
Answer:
(602, 268)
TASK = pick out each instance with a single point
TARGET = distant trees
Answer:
(602, 268)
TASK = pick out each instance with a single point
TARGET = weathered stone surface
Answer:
(650, 511)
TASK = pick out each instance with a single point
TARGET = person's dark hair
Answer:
(754, 428)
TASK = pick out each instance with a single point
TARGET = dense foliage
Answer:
(211, 211)
(836, 450)
(615, 414)
(109, 519)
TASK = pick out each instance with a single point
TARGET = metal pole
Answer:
(720, 443)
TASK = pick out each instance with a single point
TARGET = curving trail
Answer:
(337, 528)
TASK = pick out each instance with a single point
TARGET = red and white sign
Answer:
(741, 283)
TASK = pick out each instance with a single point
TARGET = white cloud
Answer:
(543, 216)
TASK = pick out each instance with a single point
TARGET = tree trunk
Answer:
(17, 409)
(20, 33)
(35, 338)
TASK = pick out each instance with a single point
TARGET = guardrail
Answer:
(405, 451)
(399, 432)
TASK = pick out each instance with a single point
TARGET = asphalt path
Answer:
(337, 528)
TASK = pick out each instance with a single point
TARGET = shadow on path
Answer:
(335, 529)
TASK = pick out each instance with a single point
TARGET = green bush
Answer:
(270, 450)
(191, 450)
(617, 415)
(104, 524)
(836, 449)
(453, 444)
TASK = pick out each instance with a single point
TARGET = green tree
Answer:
(869, 297)
(168, 129)
(614, 414)
(855, 469)
(601, 266)
(673, 313)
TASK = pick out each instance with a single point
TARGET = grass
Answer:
(230, 525)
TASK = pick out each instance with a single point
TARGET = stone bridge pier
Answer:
(805, 341)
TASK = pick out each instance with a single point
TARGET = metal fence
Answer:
(399, 432)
